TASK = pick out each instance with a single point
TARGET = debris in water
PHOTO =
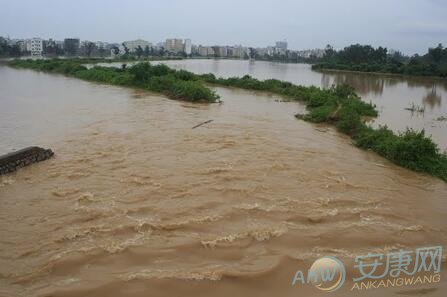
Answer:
(206, 122)
(416, 108)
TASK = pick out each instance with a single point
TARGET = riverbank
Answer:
(339, 106)
(383, 74)
(374, 69)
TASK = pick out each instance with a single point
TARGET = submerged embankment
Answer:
(137, 203)
(339, 105)
(15, 160)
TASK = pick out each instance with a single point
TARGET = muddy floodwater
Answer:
(391, 94)
(136, 203)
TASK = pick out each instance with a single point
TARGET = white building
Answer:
(36, 46)
(132, 45)
(319, 53)
(188, 47)
(102, 44)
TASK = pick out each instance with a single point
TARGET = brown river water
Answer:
(136, 203)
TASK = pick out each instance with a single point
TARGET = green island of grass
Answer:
(338, 105)
(176, 84)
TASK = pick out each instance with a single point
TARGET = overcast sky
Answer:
(409, 25)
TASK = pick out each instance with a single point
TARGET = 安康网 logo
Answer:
(376, 270)
(326, 274)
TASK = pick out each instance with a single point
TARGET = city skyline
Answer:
(39, 47)
(410, 26)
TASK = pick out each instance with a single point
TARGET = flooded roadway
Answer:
(136, 203)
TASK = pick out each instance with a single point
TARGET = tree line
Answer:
(366, 58)
(8, 50)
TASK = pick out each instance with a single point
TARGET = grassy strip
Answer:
(176, 84)
(339, 105)
(128, 59)
(342, 107)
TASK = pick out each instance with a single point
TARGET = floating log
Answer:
(206, 122)
(24, 157)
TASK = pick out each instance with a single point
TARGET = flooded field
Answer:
(136, 203)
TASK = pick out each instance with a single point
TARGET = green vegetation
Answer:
(7, 50)
(338, 105)
(365, 58)
(342, 107)
(175, 84)
(408, 149)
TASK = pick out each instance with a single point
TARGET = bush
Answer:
(349, 120)
(410, 149)
(192, 90)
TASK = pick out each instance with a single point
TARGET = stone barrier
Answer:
(24, 157)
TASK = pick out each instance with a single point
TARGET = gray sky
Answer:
(409, 25)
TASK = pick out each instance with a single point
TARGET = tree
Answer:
(139, 51)
(435, 54)
(89, 48)
(147, 51)
(126, 50)
(8, 50)
(329, 52)
(102, 52)
(252, 52)
(162, 51)
(115, 50)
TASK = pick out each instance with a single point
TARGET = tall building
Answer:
(239, 51)
(71, 46)
(174, 45)
(188, 47)
(220, 51)
(36, 47)
(281, 44)
(205, 51)
(51, 48)
(101, 44)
